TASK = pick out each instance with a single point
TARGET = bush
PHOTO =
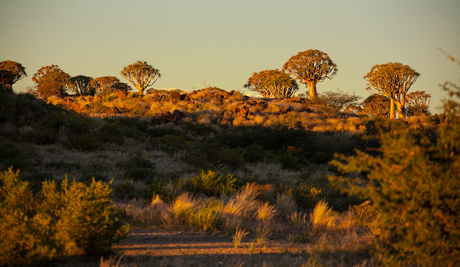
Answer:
(289, 162)
(416, 178)
(210, 184)
(62, 222)
(137, 168)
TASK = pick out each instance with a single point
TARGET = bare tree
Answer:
(311, 67)
(418, 103)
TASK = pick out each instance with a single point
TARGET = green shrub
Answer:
(231, 157)
(416, 179)
(60, 222)
(254, 153)
(206, 218)
(210, 184)
(125, 189)
(137, 168)
(320, 158)
(289, 162)
(158, 188)
(86, 142)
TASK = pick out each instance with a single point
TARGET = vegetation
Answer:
(220, 162)
(50, 81)
(10, 73)
(310, 67)
(392, 80)
(141, 75)
(57, 223)
(272, 83)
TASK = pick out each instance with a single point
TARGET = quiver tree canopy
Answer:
(50, 81)
(310, 67)
(10, 73)
(141, 75)
(272, 83)
(79, 85)
(105, 84)
(392, 80)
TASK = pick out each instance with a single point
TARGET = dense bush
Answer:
(137, 168)
(415, 184)
(66, 221)
(210, 184)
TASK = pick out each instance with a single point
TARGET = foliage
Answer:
(10, 73)
(60, 222)
(416, 178)
(141, 75)
(418, 103)
(50, 80)
(289, 162)
(376, 105)
(137, 168)
(310, 67)
(105, 85)
(210, 184)
(392, 80)
(272, 83)
(79, 85)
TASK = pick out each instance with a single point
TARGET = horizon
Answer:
(224, 43)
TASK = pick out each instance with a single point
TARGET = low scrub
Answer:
(60, 222)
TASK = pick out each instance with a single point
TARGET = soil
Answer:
(176, 248)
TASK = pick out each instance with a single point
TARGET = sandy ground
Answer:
(165, 248)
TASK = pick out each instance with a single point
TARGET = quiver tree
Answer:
(392, 80)
(418, 103)
(10, 73)
(141, 75)
(310, 67)
(272, 83)
(79, 85)
(105, 84)
(50, 80)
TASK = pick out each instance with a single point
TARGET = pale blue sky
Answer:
(225, 42)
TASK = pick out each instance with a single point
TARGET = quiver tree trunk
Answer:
(312, 90)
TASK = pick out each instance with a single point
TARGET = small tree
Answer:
(418, 103)
(10, 73)
(337, 101)
(79, 85)
(105, 84)
(311, 67)
(141, 75)
(392, 80)
(50, 80)
(272, 83)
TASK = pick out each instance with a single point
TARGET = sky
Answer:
(222, 43)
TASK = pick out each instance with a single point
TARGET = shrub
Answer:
(415, 178)
(59, 223)
(207, 216)
(254, 153)
(289, 162)
(211, 184)
(137, 168)
(86, 142)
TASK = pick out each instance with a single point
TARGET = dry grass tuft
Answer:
(322, 216)
(286, 205)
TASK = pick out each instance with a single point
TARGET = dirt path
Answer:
(164, 248)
